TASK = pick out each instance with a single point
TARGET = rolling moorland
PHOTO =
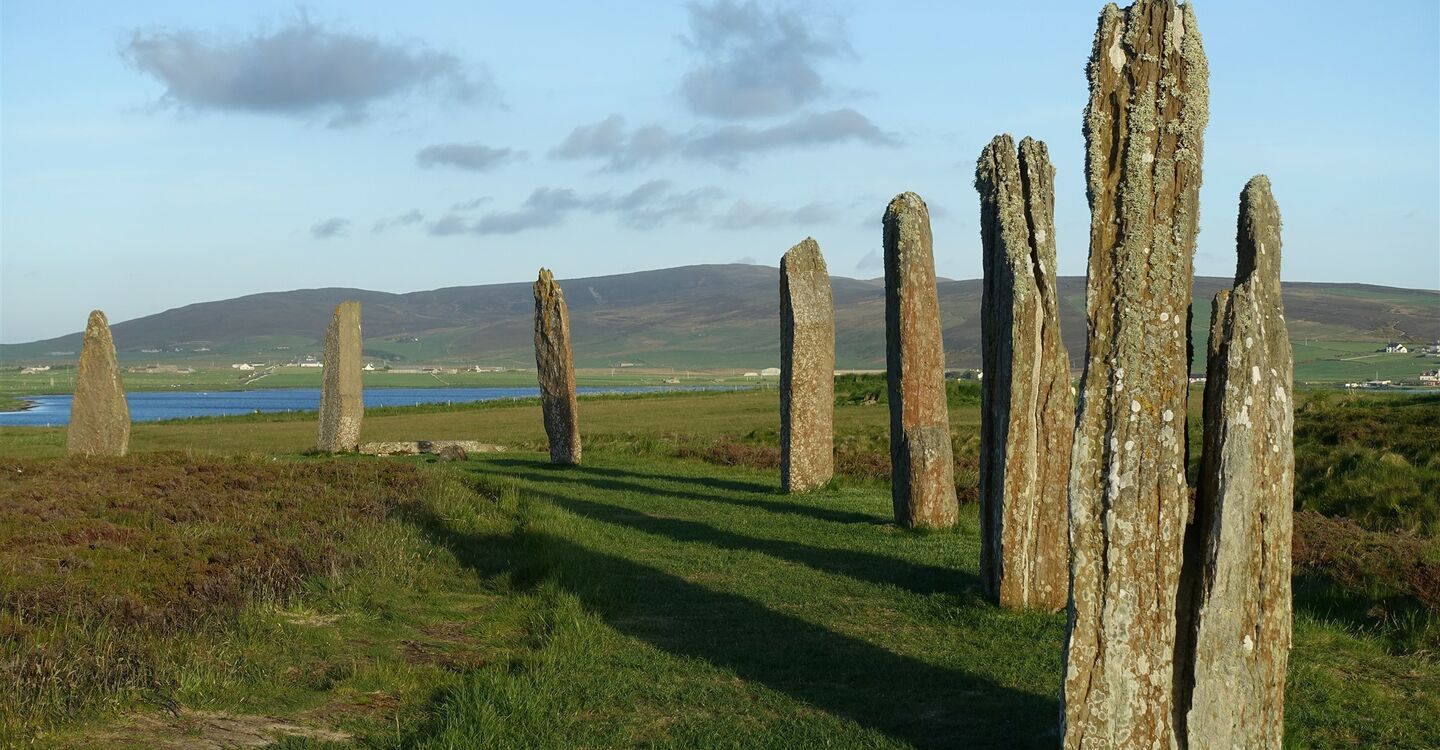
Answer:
(713, 317)
(223, 584)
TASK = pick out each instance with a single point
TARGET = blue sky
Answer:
(155, 154)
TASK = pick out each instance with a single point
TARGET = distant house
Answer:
(312, 364)
(244, 366)
(1430, 378)
(34, 370)
(752, 374)
(369, 367)
(770, 372)
(1396, 348)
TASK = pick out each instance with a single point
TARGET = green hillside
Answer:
(703, 317)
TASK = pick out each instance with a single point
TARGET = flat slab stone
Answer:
(342, 402)
(99, 416)
(807, 369)
(1027, 417)
(922, 486)
(1144, 131)
(555, 369)
(417, 447)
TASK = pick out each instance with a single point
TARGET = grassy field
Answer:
(662, 595)
(14, 386)
(1323, 361)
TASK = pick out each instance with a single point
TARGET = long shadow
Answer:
(926, 705)
(920, 579)
(544, 472)
(733, 485)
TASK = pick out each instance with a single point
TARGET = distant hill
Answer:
(707, 316)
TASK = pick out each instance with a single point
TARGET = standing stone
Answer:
(99, 416)
(555, 366)
(1144, 127)
(342, 402)
(1026, 415)
(1243, 505)
(921, 458)
(807, 369)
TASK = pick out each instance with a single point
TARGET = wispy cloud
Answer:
(656, 203)
(743, 214)
(409, 218)
(728, 144)
(546, 207)
(871, 263)
(471, 204)
(474, 157)
(331, 228)
(755, 61)
(448, 225)
(623, 149)
(301, 69)
(650, 205)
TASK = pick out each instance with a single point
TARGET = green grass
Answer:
(14, 385)
(1372, 458)
(649, 600)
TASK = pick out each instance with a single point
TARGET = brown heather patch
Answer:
(105, 563)
(1367, 563)
(853, 459)
(161, 540)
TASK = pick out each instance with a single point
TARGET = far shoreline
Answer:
(16, 404)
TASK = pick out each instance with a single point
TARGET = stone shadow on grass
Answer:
(595, 477)
(864, 566)
(924, 704)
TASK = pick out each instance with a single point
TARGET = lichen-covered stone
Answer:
(1026, 416)
(921, 458)
(807, 369)
(342, 397)
(1144, 128)
(555, 366)
(1239, 643)
(99, 416)
(417, 447)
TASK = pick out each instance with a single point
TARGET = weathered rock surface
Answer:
(1144, 128)
(807, 369)
(417, 447)
(555, 366)
(1244, 502)
(1026, 416)
(342, 398)
(99, 416)
(921, 458)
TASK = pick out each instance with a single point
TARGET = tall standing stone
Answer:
(555, 366)
(99, 416)
(1144, 128)
(342, 399)
(921, 458)
(807, 369)
(1244, 503)
(1026, 416)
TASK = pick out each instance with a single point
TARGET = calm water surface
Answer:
(152, 406)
